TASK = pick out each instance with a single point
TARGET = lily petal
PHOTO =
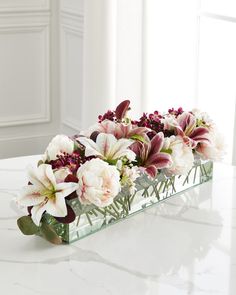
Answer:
(105, 142)
(120, 149)
(137, 147)
(157, 143)
(37, 212)
(151, 170)
(65, 189)
(30, 196)
(91, 148)
(33, 177)
(187, 122)
(160, 160)
(42, 176)
(56, 207)
(200, 134)
(121, 109)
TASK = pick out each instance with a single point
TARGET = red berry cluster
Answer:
(174, 112)
(151, 121)
(109, 115)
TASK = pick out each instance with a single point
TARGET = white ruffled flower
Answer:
(46, 193)
(99, 183)
(181, 155)
(169, 122)
(215, 149)
(60, 144)
(203, 117)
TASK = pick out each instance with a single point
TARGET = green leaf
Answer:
(168, 151)
(138, 137)
(27, 226)
(49, 234)
(111, 162)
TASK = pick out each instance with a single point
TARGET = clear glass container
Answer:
(90, 218)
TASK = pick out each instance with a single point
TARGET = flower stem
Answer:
(77, 223)
(89, 219)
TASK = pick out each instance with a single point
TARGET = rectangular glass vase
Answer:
(90, 218)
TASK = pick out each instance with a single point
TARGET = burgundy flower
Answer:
(150, 156)
(70, 217)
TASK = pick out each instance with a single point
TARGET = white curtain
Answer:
(112, 56)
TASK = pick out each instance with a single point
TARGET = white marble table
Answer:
(186, 245)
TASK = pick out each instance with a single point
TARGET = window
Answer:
(190, 59)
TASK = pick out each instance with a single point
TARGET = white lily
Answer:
(46, 193)
(59, 144)
(108, 147)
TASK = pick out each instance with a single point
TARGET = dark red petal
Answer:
(72, 196)
(137, 147)
(94, 136)
(71, 178)
(160, 160)
(151, 170)
(200, 133)
(70, 217)
(186, 120)
(156, 143)
(29, 209)
(179, 131)
(121, 109)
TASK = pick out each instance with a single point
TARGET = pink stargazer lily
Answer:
(150, 155)
(188, 130)
(119, 130)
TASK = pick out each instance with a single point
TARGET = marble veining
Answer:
(185, 245)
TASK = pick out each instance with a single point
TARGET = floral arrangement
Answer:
(94, 166)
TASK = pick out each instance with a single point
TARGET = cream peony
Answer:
(60, 144)
(99, 183)
(181, 155)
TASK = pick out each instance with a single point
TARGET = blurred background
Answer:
(62, 63)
